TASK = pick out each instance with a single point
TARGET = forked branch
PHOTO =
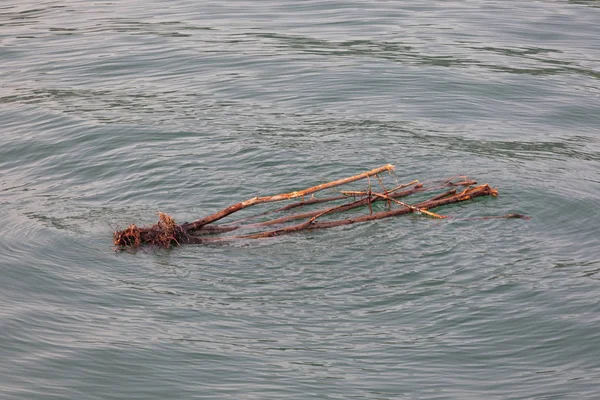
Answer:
(167, 233)
(284, 196)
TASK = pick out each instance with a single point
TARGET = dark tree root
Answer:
(165, 233)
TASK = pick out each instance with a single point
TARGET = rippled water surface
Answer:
(112, 111)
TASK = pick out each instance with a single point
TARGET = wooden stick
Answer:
(483, 190)
(413, 208)
(289, 207)
(166, 233)
(211, 229)
(284, 196)
(447, 182)
(445, 194)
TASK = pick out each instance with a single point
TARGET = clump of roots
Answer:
(130, 237)
(165, 233)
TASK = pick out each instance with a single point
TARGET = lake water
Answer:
(112, 111)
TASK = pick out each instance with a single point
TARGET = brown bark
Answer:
(279, 197)
(418, 188)
(166, 233)
(211, 229)
(445, 194)
(483, 190)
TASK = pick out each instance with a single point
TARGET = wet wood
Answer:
(283, 196)
(167, 233)
(312, 224)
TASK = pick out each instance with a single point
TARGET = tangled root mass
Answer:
(165, 233)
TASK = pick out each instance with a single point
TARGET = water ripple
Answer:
(114, 111)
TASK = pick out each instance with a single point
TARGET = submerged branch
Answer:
(283, 196)
(167, 233)
(483, 190)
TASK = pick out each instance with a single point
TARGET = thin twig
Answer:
(483, 190)
(279, 197)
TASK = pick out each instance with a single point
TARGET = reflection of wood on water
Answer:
(167, 233)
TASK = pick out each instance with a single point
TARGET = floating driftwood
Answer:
(167, 233)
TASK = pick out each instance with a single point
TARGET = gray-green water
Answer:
(111, 111)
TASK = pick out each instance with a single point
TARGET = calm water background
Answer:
(112, 111)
